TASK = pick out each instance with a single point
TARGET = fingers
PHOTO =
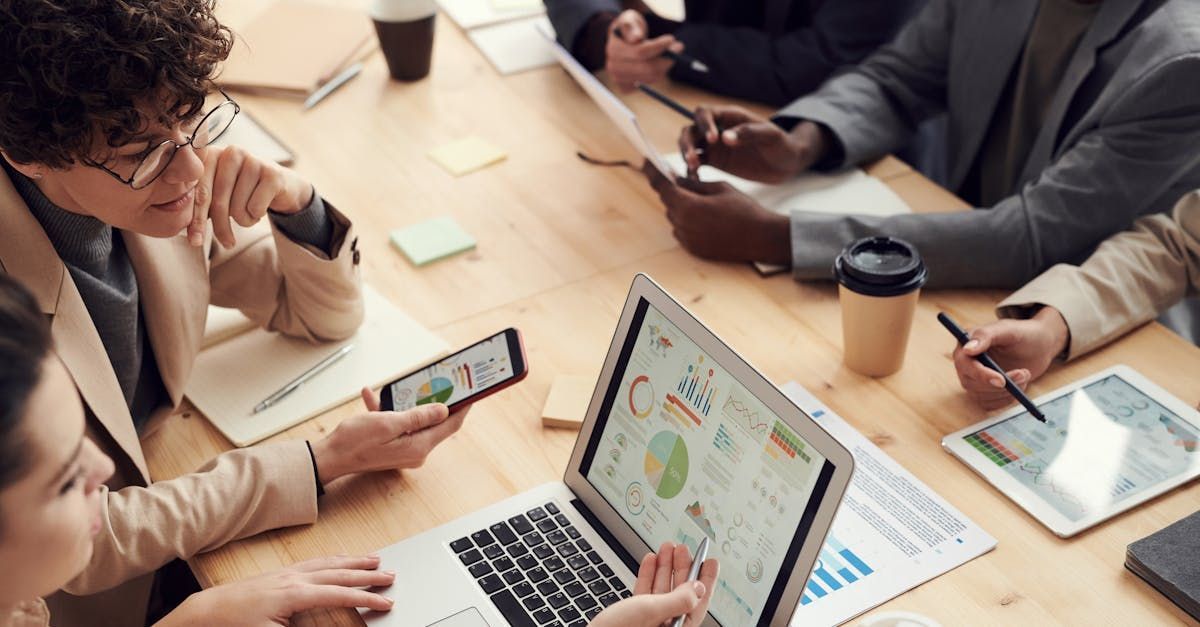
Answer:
(370, 399)
(418, 419)
(709, 571)
(750, 133)
(645, 575)
(319, 596)
(643, 51)
(681, 563)
(203, 202)
(629, 27)
(706, 122)
(337, 561)
(974, 375)
(703, 188)
(664, 568)
(352, 578)
(229, 163)
(244, 184)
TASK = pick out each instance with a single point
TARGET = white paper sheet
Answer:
(246, 132)
(233, 376)
(470, 14)
(515, 46)
(892, 532)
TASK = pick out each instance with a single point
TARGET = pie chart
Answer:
(666, 464)
(438, 390)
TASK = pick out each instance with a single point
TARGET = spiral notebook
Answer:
(241, 365)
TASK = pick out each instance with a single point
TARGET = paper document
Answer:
(233, 376)
(470, 14)
(515, 46)
(247, 133)
(891, 534)
(222, 324)
(848, 192)
(621, 115)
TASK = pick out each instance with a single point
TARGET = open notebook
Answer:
(847, 192)
(241, 365)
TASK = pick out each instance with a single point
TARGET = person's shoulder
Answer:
(1170, 29)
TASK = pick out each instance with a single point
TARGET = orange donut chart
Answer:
(640, 380)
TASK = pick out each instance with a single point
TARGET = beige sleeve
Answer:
(238, 494)
(290, 287)
(1130, 279)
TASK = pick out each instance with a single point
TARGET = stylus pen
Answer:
(305, 376)
(694, 573)
(679, 57)
(987, 361)
(667, 100)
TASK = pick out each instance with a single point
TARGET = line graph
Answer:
(740, 413)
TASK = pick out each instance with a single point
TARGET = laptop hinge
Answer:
(607, 536)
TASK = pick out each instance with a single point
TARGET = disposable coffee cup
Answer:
(879, 281)
(405, 31)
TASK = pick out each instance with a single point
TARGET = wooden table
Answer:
(559, 242)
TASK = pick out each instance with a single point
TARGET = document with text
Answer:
(892, 532)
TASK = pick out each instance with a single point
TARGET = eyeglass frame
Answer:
(188, 142)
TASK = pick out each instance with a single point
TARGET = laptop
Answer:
(682, 439)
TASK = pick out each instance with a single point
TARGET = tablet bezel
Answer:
(756, 384)
(1033, 504)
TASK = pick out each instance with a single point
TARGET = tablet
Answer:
(1110, 442)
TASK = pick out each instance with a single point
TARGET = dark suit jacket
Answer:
(770, 51)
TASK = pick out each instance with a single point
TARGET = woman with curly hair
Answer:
(111, 197)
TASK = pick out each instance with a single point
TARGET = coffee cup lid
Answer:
(880, 266)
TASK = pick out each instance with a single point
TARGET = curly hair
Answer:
(75, 71)
(24, 346)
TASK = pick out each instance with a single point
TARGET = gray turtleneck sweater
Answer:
(95, 255)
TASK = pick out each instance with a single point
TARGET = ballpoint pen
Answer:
(694, 573)
(305, 376)
(332, 84)
(987, 361)
(679, 57)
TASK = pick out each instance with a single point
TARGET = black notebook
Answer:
(1169, 560)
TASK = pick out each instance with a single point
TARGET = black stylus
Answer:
(986, 360)
(667, 100)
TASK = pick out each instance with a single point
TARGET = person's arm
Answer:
(290, 285)
(236, 495)
(582, 27)
(874, 108)
(754, 65)
(1142, 151)
(1129, 280)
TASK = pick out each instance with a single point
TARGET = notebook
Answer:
(293, 47)
(246, 132)
(1169, 560)
(233, 375)
(516, 46)
(469, 14)
(847, 192)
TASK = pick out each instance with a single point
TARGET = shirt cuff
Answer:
(316, 476)
(311, 225)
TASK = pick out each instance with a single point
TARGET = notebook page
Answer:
(230, 378)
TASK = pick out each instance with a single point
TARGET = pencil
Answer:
(667, 100)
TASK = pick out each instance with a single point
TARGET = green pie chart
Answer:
(438, 390)
(666, 464)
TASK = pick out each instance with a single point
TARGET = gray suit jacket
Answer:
(1122, 137)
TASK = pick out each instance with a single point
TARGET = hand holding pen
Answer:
(987, 367)
(631, 58)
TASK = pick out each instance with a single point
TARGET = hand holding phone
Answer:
(473, 373)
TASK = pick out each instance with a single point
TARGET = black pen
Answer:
(987, 361)
(667, 100)
(679, 57)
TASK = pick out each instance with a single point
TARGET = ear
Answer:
(31, 170)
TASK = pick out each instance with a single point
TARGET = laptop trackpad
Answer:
(467, 618)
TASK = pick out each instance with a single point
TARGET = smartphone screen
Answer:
(469, 372)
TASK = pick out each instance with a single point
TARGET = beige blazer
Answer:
(282, 285)
(1130, 279)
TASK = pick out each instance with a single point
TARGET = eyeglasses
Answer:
(156, 159)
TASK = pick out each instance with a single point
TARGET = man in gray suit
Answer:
(1068, 119)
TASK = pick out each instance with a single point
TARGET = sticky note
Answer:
(467, 155)
(568, 401)
(513, 5)
(432, 240)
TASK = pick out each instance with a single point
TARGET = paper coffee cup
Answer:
(879, 281)
(405, 30)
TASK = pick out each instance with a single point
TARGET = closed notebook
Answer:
(293, 47)
(232, 376)
(1169, 560)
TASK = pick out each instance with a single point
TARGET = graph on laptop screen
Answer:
(685, 452)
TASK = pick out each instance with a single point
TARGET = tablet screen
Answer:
(1100, 445)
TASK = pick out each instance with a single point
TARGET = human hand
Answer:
(741, 143)
(384, 440)
(716, 221)
(630, 58)
(273, 598)
(1024, 348)
(239, 187)
(663, 593)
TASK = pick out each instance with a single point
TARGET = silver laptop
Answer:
(682, 439)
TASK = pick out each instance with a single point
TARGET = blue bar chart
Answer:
(836, 568)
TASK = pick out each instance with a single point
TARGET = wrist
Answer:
(808, 145)
(296, 200)
(775, 233)
(329, 465)
(1056, 327)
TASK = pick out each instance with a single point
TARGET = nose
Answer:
(100, 467)
(186, 167)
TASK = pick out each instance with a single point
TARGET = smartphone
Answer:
(475, 372)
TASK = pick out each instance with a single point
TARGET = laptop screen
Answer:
(681, 450)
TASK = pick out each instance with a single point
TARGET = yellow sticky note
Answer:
(467, 155)
(568, 401)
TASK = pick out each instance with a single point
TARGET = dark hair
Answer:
(24, 346)
(76, 70)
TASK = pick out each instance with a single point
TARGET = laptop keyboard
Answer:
(538, 570)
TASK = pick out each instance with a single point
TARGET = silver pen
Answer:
(305, 376)
(332, 84)
(694, 573)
